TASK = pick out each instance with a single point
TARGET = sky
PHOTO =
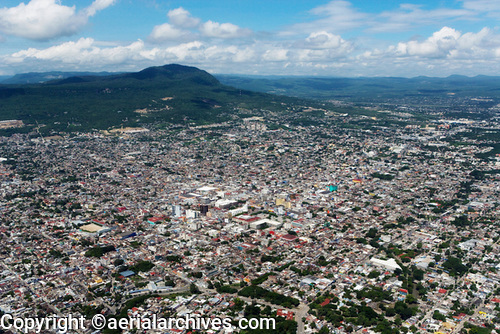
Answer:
(336, 38)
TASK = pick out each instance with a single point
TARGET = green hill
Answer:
(155, 95)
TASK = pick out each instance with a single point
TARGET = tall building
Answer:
(204, 210)
(192, 213)
(176, 210)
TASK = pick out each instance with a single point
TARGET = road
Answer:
(301, 313)
(469, 318)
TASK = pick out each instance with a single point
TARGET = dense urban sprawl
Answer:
(325, 228)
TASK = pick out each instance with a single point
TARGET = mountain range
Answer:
(41, 77)
(173, 94)
(359, 89)
(376, 89)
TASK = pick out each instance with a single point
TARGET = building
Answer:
(390, 264)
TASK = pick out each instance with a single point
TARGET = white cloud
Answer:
(89, 54)
(182, 18)
(247, 55)
(275, 55)
(482, 5)
(46, 19)
(185, 51)
(223, 30)
(336, 16)
(320, 46)
(231, 53)
(315, 47)
(450, 43)
(324, 40)
(120, 54)
(86, 53)
(339, 16)
(167, 32)
(98, 5)
(67, 52)
(438, 45)
(82, 54)
(408, 16)
(447, 51)
(182, 25)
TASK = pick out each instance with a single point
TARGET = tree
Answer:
(372, 233)
(169, 282)
(194, 289)
(118, 262)
(361, 241)
(410, 299)
(251, 311)
(142, 266)
(418, 274)
(403, 310)
(324, 330)
(455, 266)
(197, 274)
(390, 312)
(99, 251)
(438, 316)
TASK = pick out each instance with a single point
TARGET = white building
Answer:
(390, 264)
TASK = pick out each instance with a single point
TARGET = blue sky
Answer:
(326, 38)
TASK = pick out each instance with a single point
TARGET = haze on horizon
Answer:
(326, 38)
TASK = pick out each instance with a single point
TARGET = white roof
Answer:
(206, 188)
(390, 264)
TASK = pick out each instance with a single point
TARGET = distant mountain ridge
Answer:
(300, 86)
(177, 94)
(170, 72)
(41, 77)
(365, 87)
